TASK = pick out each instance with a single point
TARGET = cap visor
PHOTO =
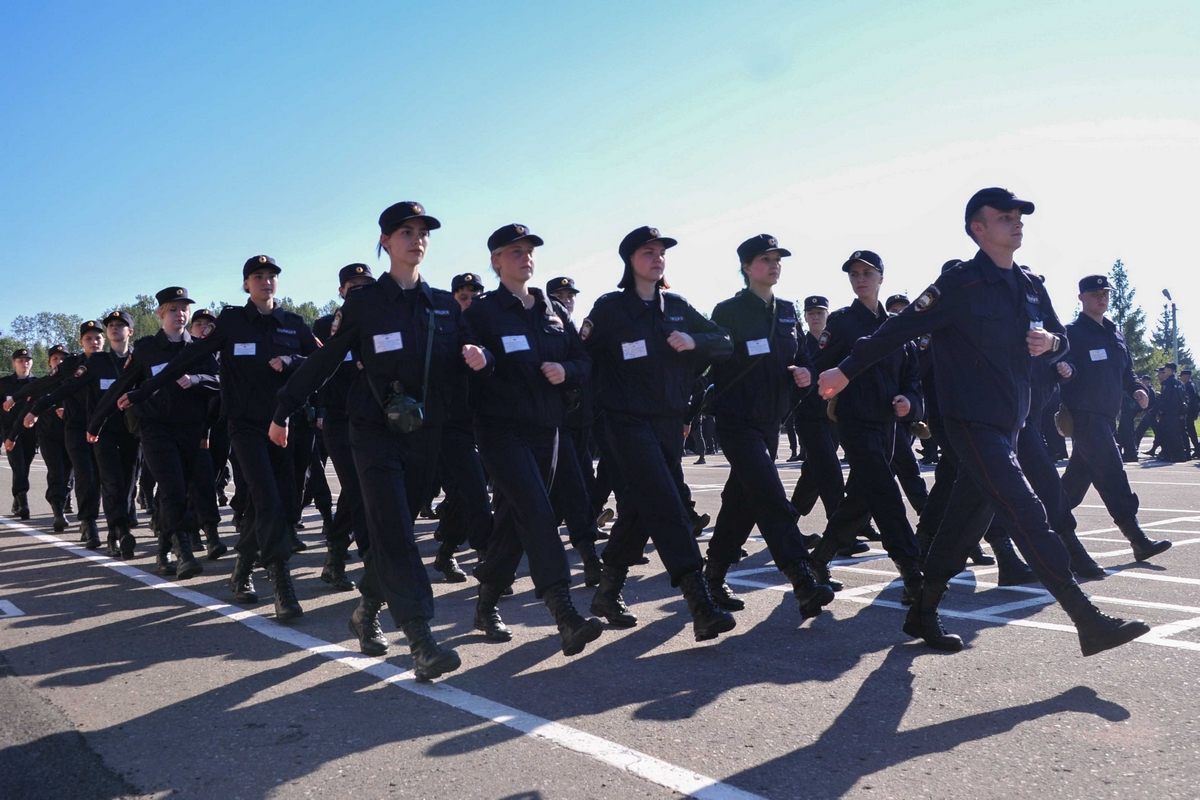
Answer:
(779, 250)
(852, 261)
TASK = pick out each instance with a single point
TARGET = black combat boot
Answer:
(60, 520)
(68, 504)
(23, 505)
(126, 542)
(196, 542)
(575, 629)
(93, 540)
(977, 556)
(1013, 571)
(910, 573)
(608, 602)
(215, 547)
(1144, 548)
(923, 621)
(297, 544)
(447, 564)
(364, 624)
(1097, 631)
(591, 563)
(240, 581)
(114, 544)
(88, 530)
(188, 566)
(1082, 564)
(287, 607)
(718, 589)
(487, 618)
(334, 571)
(811, 596)
(822, 554)
(708, 621)
(162, 559)
(429, 660)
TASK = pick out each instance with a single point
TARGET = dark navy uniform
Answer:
(1172, 415)
(821, 474)
(1193, 411)
(24, 440)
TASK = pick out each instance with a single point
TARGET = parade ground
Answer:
(116, 683)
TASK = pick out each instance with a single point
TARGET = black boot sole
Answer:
(188, 569)
(342, 584)
(216, 551)
(729, 602)
(493, 634)
(285, 613)
(450, 576)
(617, 619)
(813, 605)
(714, 629)
(368, 647)
(1155, 550)
(586, 633)
(1091, 573)
(447, 662)
(913, 627)
(128, 545)
(1124, 634)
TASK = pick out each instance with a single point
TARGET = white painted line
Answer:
(1172, 628)
(1127, 551)
(1017, 605)
(7, 609)
(678, 779)
(1143, 508)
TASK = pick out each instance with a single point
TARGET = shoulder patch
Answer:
(823, 340)
(337, 323)
(928, 298)
(585, 329)
(80, 372)
(924, 342)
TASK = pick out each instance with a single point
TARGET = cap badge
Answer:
(857, 254)
(521, 229)
(262, 259)
(358, 270)
(653, 231)
(566, 281)
(178, 292)
(772, 241)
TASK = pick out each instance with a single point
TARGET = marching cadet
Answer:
(19, 447)
(202, 493)
(407, 336)
(866, 414)
(989, 319)
(821, 473)
(1100, 371)
(349, 520)
(1171, 415)
(528, 354)
(51, 444)
(904, 460)
(648, 345)
(751, 393)
(171, 424)
(1193, 411)
(258, 345)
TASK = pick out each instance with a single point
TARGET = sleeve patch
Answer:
(823, 341)
(585, 330)
(928, 298)
(80, 372)
(924, 342)
(337, 323)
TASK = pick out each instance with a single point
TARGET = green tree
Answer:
(308, 310)
(1163, 340)
(1130, 319)
(46, 328)
(144, 310)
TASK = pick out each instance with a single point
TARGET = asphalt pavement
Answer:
(115, 683)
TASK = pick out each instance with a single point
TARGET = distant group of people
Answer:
(500, 399)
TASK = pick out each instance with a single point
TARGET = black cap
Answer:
(640, 238)
(1185, 371)
(866, 257)
(56, 350)
(118, 316)
(203, 313)
(466, 279)
(513, 232)
(757, 245)
(354, 271)
(997, 198)
(396, 215)
(1169, 365)
(896, 298)
(815, 301)
(559, 284)
(1143, 377)
(20, 352)
(1090, 283)
(255, 263)
(951, 264)
(173, 294)
(89, 326)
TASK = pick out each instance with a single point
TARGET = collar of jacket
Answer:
(637, 306)
(508, 300)
(1107, 325)
(252, 312)
(750, 299)
(859, 308)
(163, 340)
(393, 290)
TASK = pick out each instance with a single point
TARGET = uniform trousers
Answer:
(20, 458)
(116, 462)
(267, 481)
(944, 476)
(1095, 460)
(651, 494)
(202, 491)
(58, 467)
(569, 493)
(991, 483)
(753, 495)
(907, 470)
(171, 452)
(520, 460)
(83, 466)
(821, 473)
(350, 519)
(466, 515)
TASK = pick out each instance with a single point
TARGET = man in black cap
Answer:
(989, 318)
(1099, 371)
(1193, 411)
(21, 447)
(1149, 416)
(904, 460)
(466, 287)
(821, 474)
(564, 291)
(1172, 415)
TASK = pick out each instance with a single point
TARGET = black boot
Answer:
(1097, 631)
(60, 520)
(364, 624)
(93, 540)
(127, 543)
(708, 621)
(334, 571)
(196, 542)
(1144, 548)
(591, 563)
(923, 621)
(88, 530)
(188, 565)
(977, 556)
(910, 573)
(1013, 571)
(298, 546)
(718, 589)
(1082, 564)
(446, 564)
(607, 602)
(822, 554)
(240, 581)
(114, 545)
(575, 629)
(429, 660)
(811, 596)
(23, 505)
(68, 505)
(286, 605)
(487, 618)
(216, 548)
(162, 559)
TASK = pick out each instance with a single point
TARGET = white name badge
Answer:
(157, 368)
(633, 350)
(1098, 355)
(758, 347)
(514, 344)
(105, 383)
(387, 342)
(349, 356)
(245, 348)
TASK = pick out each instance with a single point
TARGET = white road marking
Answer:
(7, 609)
(662, 773)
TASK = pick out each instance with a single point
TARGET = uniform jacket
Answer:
(1103, 370)
(82, 391)
(332, 397)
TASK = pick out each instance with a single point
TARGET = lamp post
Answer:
(1174, 327)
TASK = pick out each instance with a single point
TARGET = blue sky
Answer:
(156, 144)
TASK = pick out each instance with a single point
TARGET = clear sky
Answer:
(151, 144)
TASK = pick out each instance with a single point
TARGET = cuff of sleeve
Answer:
(281, 417)
(849, 367)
